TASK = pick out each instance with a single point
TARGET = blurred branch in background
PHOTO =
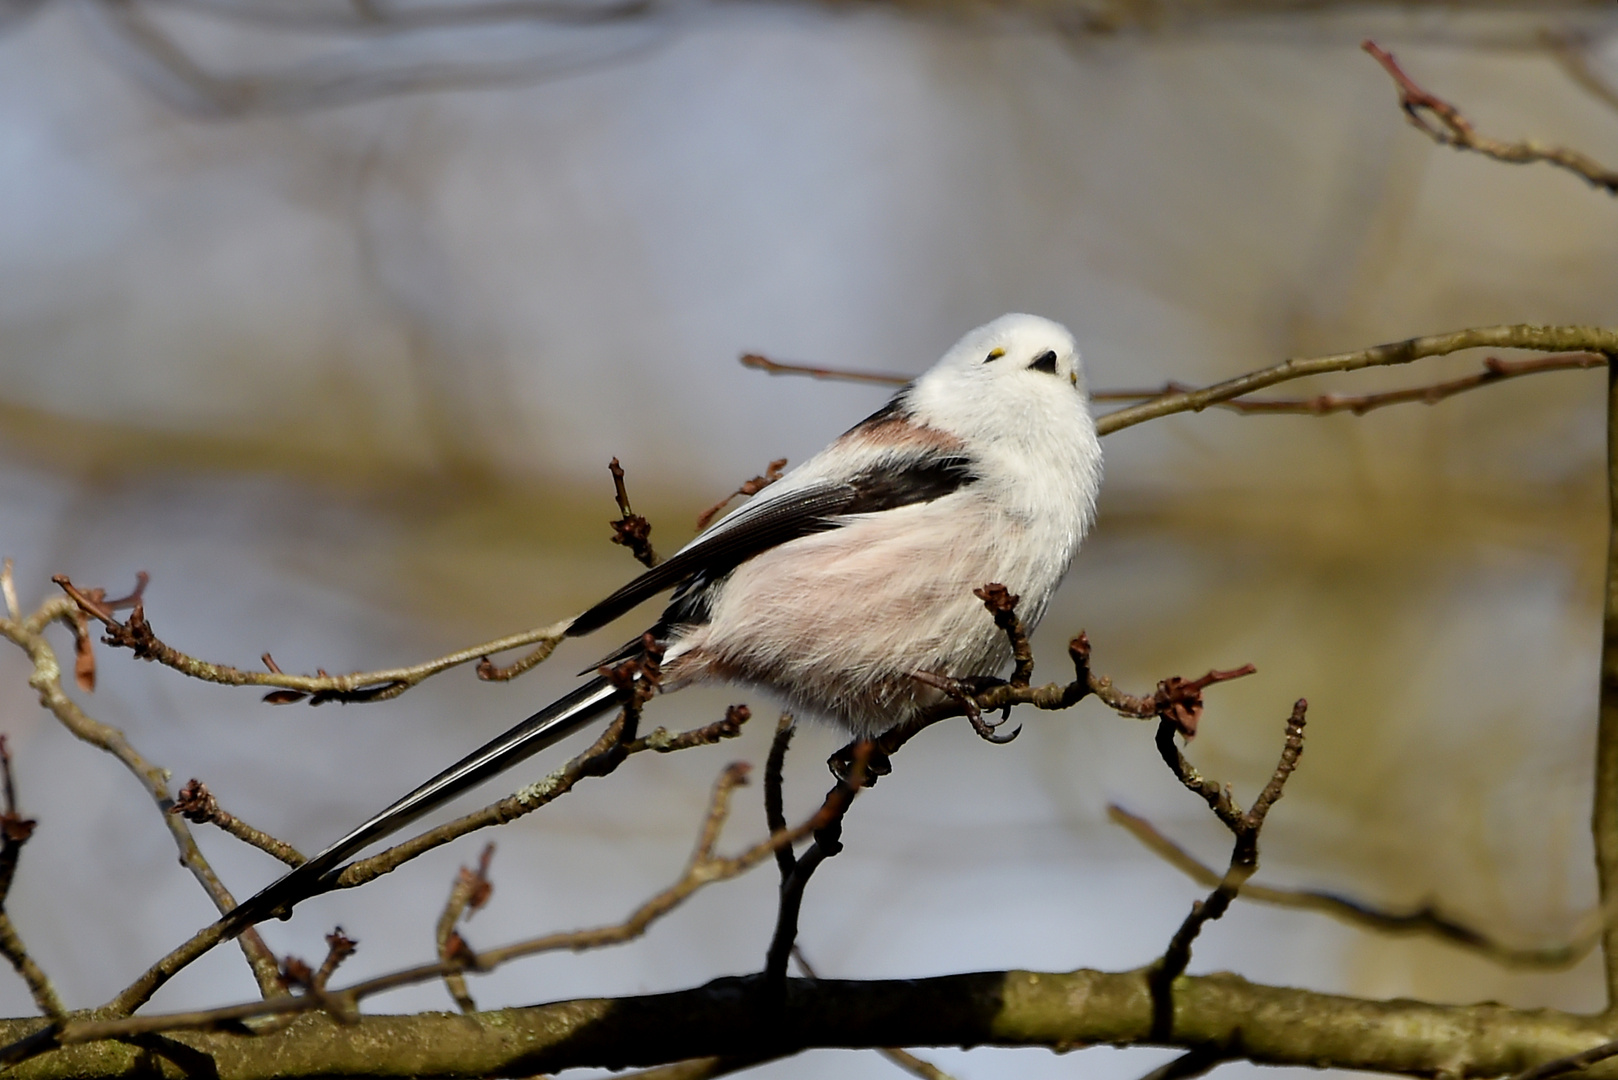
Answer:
(388, 47)
(408, 48)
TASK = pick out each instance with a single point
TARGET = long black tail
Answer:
(550, 725)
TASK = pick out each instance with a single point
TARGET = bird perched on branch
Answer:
(846, 587)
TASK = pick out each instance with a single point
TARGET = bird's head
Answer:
(1017, 370)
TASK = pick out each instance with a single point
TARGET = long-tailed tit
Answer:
(850, 576)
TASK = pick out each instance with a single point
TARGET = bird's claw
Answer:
(965, 693)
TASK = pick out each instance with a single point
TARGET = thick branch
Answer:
(1222, 1012)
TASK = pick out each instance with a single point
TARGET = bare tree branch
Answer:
(1454, 129)
(797, 870)
(169, 69)
(469, 893)
(631, 530)
(1426, 919)
(136, 634)
(198, 805)
(773, 367)
(1062, 1010)
(1245, 826)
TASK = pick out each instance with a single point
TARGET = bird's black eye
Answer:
(994, 354)
(1045, 362)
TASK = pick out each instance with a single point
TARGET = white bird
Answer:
(852, 575)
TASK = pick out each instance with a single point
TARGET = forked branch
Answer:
(1245, 826)
(1424, 920)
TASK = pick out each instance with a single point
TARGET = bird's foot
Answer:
(965, 692)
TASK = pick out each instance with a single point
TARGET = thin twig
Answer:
(1002, 605)
(1572, 53)
(1571, 1064)
(1423, 920)
(1494, 371)
(199, 806)
(1454, 129)
(774, 367)
(772, 473)
(14, 833)
(774, 801)
(1176, 699)
(339, 947)
(1197, 1062)
(698, 1068)
(136, 634)
(470, 892)
(489, 671)
(663, 741)
(630, 530)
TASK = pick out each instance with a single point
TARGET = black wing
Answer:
(768, 522)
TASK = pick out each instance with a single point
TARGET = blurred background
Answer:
(330, 315)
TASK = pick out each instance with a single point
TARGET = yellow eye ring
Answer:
(994, 354)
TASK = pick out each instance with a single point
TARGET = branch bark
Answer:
(1059, 1010)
